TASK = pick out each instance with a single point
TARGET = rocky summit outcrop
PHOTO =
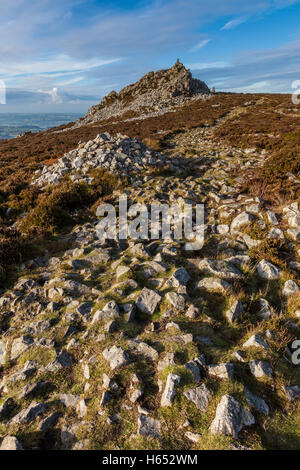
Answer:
(155, 92)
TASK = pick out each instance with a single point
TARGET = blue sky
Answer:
(63, 56)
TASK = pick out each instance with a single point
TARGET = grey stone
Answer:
(264, 312)
(230, 417)
(10, 443)
(258, 403)
(292, 392)
(143, 348)
(222, 371)
(116, 357)
(179, 278)
(257, 342)
(267, 270)
(19, 346)
(290, 287)
(2, 352)
(49, 422)
(260, 368)
(235, 312)
(148, 301)
(199, 396)
(214, 284)
(176, 300)
(148, 426)
(170, 390)
(29, 414)
(221, 268)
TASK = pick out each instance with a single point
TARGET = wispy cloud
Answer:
(234, 23)
(200, 44)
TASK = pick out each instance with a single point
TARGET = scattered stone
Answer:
(292, 392)
(29, 414)
(255, 341)
(258, 403)
(222, 371)
(148, 301)
(230, 417)
(214, 284)
(290, 287)
(148, 426)
(191, 436)
(199, 396)
(267, 270)
(235, 312)
(179, 278)
(176, 300)
(10, 443)
(19, 346)
(116, 357)
(170, 390)
(260, 368)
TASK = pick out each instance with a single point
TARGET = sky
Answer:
(64, 56)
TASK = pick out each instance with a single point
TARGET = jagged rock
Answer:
(220, 268)
(10, 443)
(49, 422)
(62, 360)
(2, 352)
(235, 312)
(31, 389)
(191, 436)
(176, 300)
(260, 368)
(179, 278)
(170, 390)
(292, 392)
(258, 403)
(69, 400)
(264, 311)
(19, 346)
(116, 357)
(213, 284)
(222, 371)
(199, 396)
(272, 219)
(192, 312)
(148, 301)
(193, 367)
(167, 361)
(82, 408)
(240, 221)
(267, 270)
(255, 341)
(6, 407)
(230, 417)
(148, 426)
(143, 348)
(158, 90)
(29, 414)
(290, 287)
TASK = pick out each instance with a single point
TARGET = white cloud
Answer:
(208, 65)
(200, 45)
(234, 23)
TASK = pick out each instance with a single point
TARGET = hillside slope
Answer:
(110, 344)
